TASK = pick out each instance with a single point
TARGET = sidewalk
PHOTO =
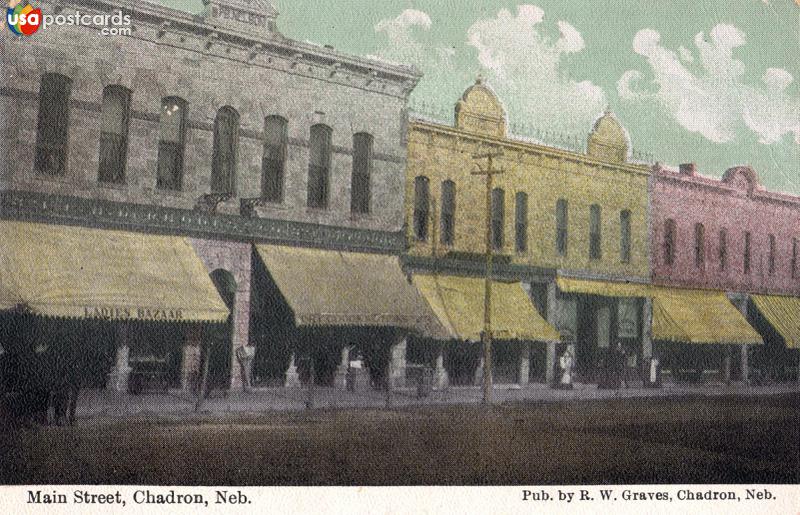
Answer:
(101, 404)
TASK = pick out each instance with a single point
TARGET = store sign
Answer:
(122, 313)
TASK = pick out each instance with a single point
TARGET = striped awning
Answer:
(784, 315)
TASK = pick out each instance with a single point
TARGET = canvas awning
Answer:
(784, 315)
(679, 314)
(75, 272)
(459, 304)
(336, 288)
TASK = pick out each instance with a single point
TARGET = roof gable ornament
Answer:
(479, 110)
(254, 17)
(608, 140)
(743, 178)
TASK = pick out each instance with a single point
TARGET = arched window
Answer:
(52, 128)
(448, 212)
(723, 249)
(319, 166)
(171, 140)
(498, 217)
(562, 223)
(114, 134)
(521, 222)
(595, 234)
(223, 164)
(771, 255)
(625, 236)
(669, 241)
(699, 245)
(362, 170)
(421, 207)
(273, 162)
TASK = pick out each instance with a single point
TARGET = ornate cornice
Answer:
(61, 209)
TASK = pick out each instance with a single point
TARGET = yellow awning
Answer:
(459, 304)
(333, 288)
(74, 272)
(699, 316)
(604, 288)
(784, 315)
(680, 315)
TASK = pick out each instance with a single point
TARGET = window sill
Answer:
(112, 185)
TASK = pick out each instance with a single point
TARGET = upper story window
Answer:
(595, 234)
(448, 212)
(746, 259)
(723, 249)
(114, 134)
(521, 222)
(362, 171)
(52, 128)
(421, 207)
(669, 241)
(699, 245)
(223, 165)
(273, 163)
(625, 236)
(771, 255)
(171, 142)
(562, 222)
(498, 217)
(319, 166)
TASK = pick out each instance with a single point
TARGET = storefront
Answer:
(115, 308)
(314, 309)
(516, 325)
(777, 319)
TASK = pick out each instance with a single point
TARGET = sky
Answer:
(706, 81)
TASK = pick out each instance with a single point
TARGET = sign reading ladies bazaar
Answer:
(139, 313)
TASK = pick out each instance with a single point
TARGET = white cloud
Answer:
(524, 66)
(714, 100)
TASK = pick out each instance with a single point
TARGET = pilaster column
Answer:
(340, 378)
(647, 330)
(397, 367)
(479, 373)
(190, 365)
(120, 372)
(292, 376)
(524, 370)
(550, 358)
(440, 374)
(726, 365)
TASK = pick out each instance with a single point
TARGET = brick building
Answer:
(734, 236)
(566, 225)
(216, 130)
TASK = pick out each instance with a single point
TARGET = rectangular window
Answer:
(699, 245)
(362, 169)
(421, 207)
(794, 258)
(171, 139)
(274, 160)
(771, 255)
(319, 166)
(114, 134)
(448, 212)
(746, 260)
(723, 249)
(595, 234)
(669, 241)
(498, 218)
(562, 222)
(625, 236)
(52, 129)
(521, 222)
(223, 165)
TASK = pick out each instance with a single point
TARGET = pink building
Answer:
(728, 234)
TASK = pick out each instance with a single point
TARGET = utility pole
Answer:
(489, 172)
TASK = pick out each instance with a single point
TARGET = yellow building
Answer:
(554, 213)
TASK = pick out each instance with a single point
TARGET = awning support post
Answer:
(550, 358)
(120, 372)
(340, 378)
(524, 370)
(292, 376)
(441, 372)
(727, 364)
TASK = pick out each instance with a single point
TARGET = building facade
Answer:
(731, 235)
(212, 127)
(554, 213)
